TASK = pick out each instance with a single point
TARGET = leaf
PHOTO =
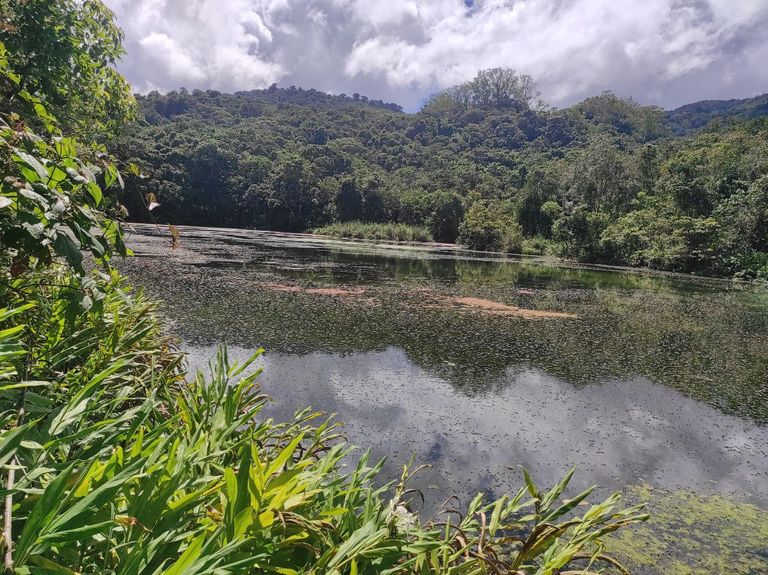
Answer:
(26, 161)
(78, 533)
(284, 455)
(95, 191)
(568, 505)
(10, 441)
(67, 246)
(266, 519)
(530, 484)
(188, 558)
(551, 496)
(110, 175)
(69, 414)
(47, 566)
(42, 514)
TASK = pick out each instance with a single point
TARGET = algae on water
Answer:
(690, 534)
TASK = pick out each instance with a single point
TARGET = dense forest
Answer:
(484, 163)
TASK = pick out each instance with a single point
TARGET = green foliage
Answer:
(624, 115)
(655, 236)
(441, 212)
(53, 204)
(708, 210)
(491, 226)
(64, 52)
(349, 202)
(579, 235)
(491, 88)
(368, 231)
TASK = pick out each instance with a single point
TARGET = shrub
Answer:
(490, 226)
(375, 231)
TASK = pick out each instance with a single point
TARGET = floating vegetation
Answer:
(691, 534)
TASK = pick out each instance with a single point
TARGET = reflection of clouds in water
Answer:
(617, 432)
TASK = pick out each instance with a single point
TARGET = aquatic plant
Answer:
(375, 231)
(693, 533)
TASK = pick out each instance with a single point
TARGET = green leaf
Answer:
(28, 162)
(95, 191)
(67, 246)
(10, 441)
(530, 484)
(187, 559)
(42, 515)
(284, 455)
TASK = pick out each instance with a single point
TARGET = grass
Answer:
(376, 231)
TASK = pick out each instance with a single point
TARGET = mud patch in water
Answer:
(497, 308)
(428, 299)
(331, 292)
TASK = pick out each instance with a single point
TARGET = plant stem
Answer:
(8, 513)
(8, 519)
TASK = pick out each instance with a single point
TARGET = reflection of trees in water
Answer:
(710, 346)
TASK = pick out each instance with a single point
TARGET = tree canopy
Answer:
(64, 52)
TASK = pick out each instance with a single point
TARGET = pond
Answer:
(476, 364)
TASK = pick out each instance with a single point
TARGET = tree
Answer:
(624, 115)
(64, 52)
(580, 235)
(600, 177)
(491, 226)
(349, 202)
(491, 88)
(503, 87)
(445, 219)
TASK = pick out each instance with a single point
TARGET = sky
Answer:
(661, 52)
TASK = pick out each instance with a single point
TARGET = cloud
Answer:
(198, 44)
(666, 52)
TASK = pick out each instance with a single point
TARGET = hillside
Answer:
(692, 117)
(603, 181)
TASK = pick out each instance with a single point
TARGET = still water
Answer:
(477, 364)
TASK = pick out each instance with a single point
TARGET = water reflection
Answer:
(619, 432)
(659, 378)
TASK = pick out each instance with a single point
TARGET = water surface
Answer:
(656, 380)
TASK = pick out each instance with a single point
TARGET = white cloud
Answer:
(176, 60)
(198, 44)
(661, 51)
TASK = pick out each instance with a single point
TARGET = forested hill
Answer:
(483, 163)
(692, 117)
